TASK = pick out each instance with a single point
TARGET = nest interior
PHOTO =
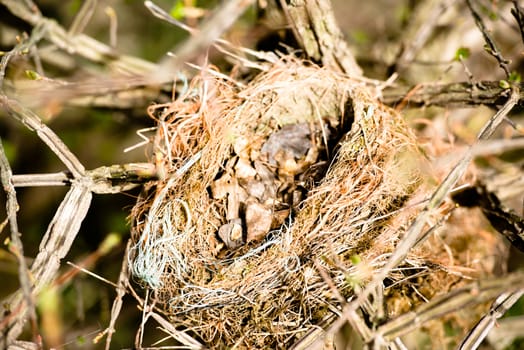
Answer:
(263, 187)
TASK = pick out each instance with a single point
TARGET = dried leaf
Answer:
(244, 170)
(258, 220)
(221, 187)
(231, 234)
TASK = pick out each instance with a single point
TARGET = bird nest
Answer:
(272, 198)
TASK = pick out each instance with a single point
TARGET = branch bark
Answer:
(464, 94)
(317, 31)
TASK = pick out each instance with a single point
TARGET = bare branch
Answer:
(422, 24)
(33, 122)
(54, 246)
(79, 44)
(210, 31)
(499, 307)
(472, 294)
(83, 17)
(518, 13)
(17, 247)
(462, 94)
(491, 46)
(318, 33)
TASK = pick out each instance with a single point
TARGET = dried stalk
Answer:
(79, 44)
(17, 246)
(472, 294)
(499, 307)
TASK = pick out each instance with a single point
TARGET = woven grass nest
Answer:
(265, 190)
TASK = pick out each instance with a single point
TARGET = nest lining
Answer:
(300, 171)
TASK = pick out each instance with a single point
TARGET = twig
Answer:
(66, 223)
(211, 30)
(17, 247)
(113, 26)
(182, 337)
(218, 43)
(518, 13)
(461, 94)
(105, 179)
(123, 280)
(25, 45)
(33, 123)
(55, 245)
(81, 44)
(499, 307)
(94, 275)
(472, 294)
(492, 47)
(422, 24)
(83, 17)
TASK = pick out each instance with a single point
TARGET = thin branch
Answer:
(54, 246)
(123, 280)
(80, 44)
(499, 307)
(83, 17)
(211, 30)
(491, 46)
(17, 247)
(106, 179)
(472, 294)
(33, 122)
(518, 13)
(421, 26)
(462, 94)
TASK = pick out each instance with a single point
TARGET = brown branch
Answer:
(518, 12)
(463, 94)
(491, 48)
(317, 31)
